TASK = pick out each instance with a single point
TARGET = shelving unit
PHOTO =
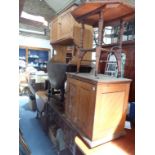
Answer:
(22, 57)
(128, 34)
(36, 57)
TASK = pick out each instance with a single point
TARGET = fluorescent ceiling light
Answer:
(31, 31)
(35, 18)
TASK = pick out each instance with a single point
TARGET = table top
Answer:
(99, 78)
(113, 10)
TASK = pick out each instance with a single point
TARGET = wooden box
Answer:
(97, 106)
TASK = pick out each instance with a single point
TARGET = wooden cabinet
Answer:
(97, 105)
(62, 26)
(65, 32)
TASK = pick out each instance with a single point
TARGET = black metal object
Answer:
(83, 68)
(57, 76)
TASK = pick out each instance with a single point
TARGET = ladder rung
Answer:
(108, 61)
(110, 71)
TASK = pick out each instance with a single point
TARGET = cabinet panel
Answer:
(72, 100)
(54, 32)
(109, 110)
(80, 104)
(66, 26)
(85, 109)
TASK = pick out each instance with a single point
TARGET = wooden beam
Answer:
(35, 48)
(31, 22)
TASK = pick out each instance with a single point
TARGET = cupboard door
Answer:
(54, 32)
(86, 108)
(66, 26)
(109, 109)
(72, 100)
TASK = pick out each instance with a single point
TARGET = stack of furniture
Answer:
(95, 104)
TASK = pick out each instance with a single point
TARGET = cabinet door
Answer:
(66, 26)
(54, 32)
(86, 108)
(72, 99)
(110, 111)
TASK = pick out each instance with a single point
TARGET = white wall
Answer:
(34, 42)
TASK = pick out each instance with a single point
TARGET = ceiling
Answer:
(45, 8)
